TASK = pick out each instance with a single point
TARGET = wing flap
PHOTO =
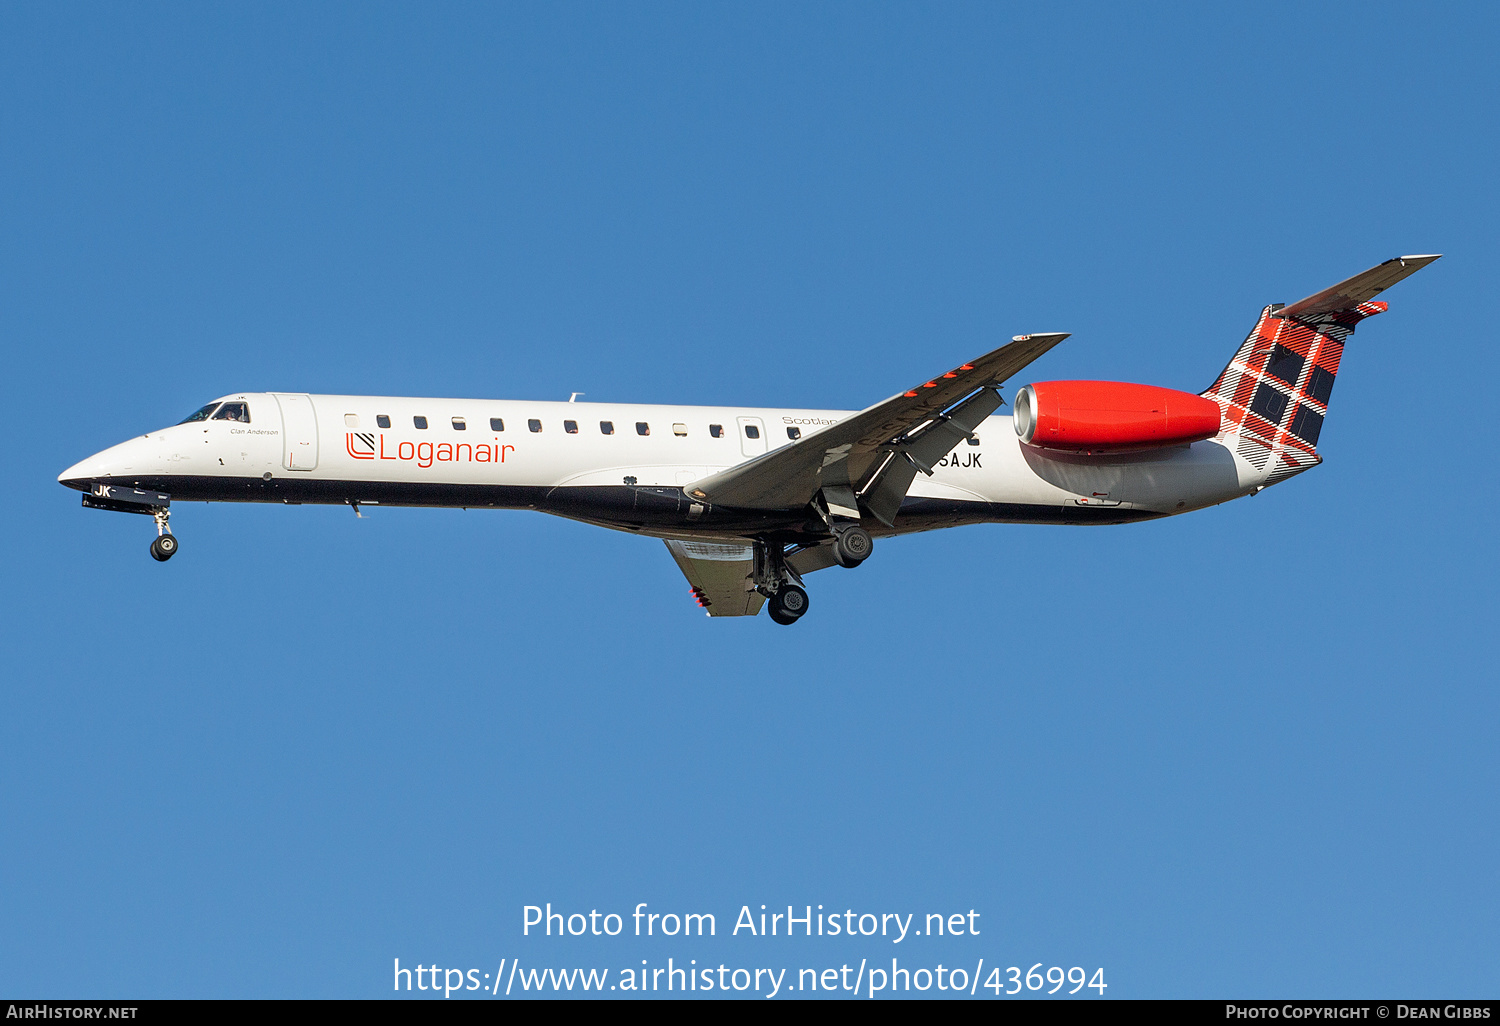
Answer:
(816, 557)
(883, 497)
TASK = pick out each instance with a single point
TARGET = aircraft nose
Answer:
(81, 473)
(112, 462)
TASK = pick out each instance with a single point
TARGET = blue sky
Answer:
(1248, 751)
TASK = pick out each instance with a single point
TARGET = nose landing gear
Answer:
(164, 545)
(122, 498)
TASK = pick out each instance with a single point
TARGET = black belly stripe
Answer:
(627, 507)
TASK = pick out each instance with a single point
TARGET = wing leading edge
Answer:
(876, 453)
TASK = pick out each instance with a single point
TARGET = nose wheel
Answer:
(164, 545)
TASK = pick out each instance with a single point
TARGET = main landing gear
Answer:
(782, 585)
(164, 545)
(788, 604)
(779, 583)
(852, 546)
(839, 509)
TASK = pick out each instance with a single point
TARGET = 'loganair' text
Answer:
(366, 446)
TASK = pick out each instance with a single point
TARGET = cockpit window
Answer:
(234, 411)
(202, 414)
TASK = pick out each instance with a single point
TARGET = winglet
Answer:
(1361, 288)
(1045, 337)
(1041, 341)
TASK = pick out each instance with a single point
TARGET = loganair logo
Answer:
(363, 445)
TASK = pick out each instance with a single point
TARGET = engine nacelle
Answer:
(1111, 416)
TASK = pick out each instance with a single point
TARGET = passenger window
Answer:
(234, 411)
(351, 420)
(642, 428)
(381, 420)
(751, 431)
(534, 426)
(606, 427)
(420, 423)
(459, 425)
(680, 430)
(973, 439)
(794, 433)
(202, 414)
(716, 430)
(497, 424)
(570, 426)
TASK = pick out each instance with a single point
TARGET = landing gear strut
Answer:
(164, 545)
(779, 583)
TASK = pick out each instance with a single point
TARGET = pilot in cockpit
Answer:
(234, 411)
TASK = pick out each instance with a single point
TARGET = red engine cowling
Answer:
(1111, 416)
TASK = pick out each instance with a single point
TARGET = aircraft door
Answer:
(299, 431)
(752, 436)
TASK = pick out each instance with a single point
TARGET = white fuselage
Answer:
(564, 458)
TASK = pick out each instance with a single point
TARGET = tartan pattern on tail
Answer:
(1274, 393)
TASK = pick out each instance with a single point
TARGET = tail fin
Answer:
(1274, 393)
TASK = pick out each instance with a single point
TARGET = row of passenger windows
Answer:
(240, 412)
(606, 427)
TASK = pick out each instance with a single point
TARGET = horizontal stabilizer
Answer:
(1361, 288)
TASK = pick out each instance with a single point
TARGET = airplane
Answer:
(750, 501)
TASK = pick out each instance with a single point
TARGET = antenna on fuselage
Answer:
(574, 397)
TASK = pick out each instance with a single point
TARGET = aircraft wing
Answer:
(719, 576)
(876, 453)
(1361, 288)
